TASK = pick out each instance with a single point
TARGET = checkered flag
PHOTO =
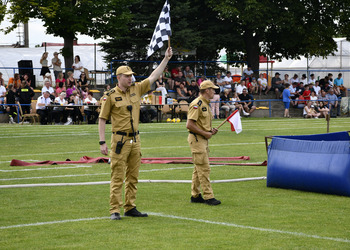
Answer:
(162, 32)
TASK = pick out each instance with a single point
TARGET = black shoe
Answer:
(115, 216)
(134, 213)
(199, 199)
(212, 202)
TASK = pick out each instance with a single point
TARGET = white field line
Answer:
(142, 148)
(39, 169)
(226, 224)
(108, 182)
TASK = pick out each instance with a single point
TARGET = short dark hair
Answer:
(90, 93)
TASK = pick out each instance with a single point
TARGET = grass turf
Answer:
(292, 219)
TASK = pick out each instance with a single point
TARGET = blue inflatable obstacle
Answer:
(317, 163)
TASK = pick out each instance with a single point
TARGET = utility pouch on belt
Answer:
(119, 146)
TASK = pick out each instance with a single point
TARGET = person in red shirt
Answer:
(175, 72)
(307, 93)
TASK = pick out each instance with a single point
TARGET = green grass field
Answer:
(251, 215)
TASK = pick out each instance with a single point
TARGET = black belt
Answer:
(126, 134)
(195, 135)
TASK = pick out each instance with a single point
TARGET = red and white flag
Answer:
(235, 120)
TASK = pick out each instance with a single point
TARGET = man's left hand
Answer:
(214, 131)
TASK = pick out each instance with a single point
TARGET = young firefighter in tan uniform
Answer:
(122, 105)
(200, 131)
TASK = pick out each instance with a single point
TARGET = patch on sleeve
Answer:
(199, 103)
(204, 109)
(104, 98)
(118, 98)
(195, 107)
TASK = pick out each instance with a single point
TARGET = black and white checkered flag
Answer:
(162, 32)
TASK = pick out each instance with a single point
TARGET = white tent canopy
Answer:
(10, 56)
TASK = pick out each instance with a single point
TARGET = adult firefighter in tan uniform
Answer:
(200, 131)
(122, 106)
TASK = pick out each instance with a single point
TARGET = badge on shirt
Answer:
(199, 103)
(118, 98)
(133, 94)
(204, 109)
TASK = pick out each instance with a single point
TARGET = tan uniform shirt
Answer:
(115, 102)
(200, 112)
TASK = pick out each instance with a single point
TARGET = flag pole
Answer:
(168, 41)
(221, 124)
(327, 119)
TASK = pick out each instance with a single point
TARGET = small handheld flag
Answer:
(235, 120)
(162, 32)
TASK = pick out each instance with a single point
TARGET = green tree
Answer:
(67, 18)
(282, 28)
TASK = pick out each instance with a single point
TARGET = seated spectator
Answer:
(307, 93)
(2, 81)
(333, 103)
(286, 79)
(11, 99)
(60, 79)
(82, 82)
(323, 97)
(90, 112)
(286, 100)
(300, 89)
(240, 87)
(303, 79)
(295, 78)
(263, 85)
(73, 113)
(180, 78)
(182, 93)
(160, 86)
(322, 109)
(41, 108)
(277, 85)
(25, 94)
(2, 92)
(201, 79)
(225, 102)
(313, 98)
(189, 75)
(175, 72)
(48, 76)
(220, 81)
(317, 88)
(27, 80)
(167, 78)
(252, 86)
(247, 103)
(193, 90)
(309, 111)
(228, 81)
(235, 100)
(312, 79)
(48, 88)
(60, 87)
(70, 88)
(59, 113)
(339, 88)
(15, 80)
(330, 80)
(323, 82)
(214, 102)
(248, 73)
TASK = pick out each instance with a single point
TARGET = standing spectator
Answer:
(214, 103)
(41, 107)
(56, 62)
(2, 81)
(44, 64)
(312, 79)
(78, 67)
(286, 99)
(295, 78)
(25, 94)
(26, 79)
(277, 85)
(11, 99)
(15, 80)
(262, 84)
(247, 102)
(160, 86)
(317, 88)
(167, 78)
(333, 103)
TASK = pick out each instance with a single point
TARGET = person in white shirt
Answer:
(240, 87)
(294, 79)
(78, 67)
(48, 88)
(59, 112)
(262, 84)
(2, 93)
(317, 88)
(312, 79)
(220, 81)
(303, 79)
(293, 94)
(90, 112)
(41, 107)
(248, 73)
(228, 81)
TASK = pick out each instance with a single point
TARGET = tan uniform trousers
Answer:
(201, 172)
(126, 166)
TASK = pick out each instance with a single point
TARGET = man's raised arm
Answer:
(159, 70)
